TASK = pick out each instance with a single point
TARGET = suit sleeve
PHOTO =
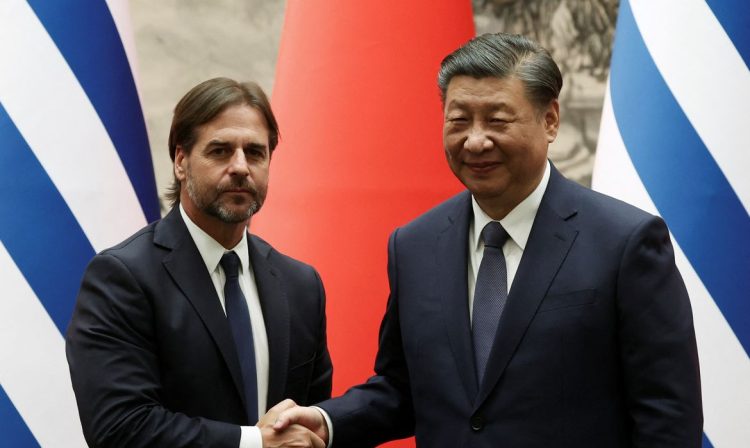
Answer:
(115, 369)
(657, 343)
(381, 409)
(321, 382)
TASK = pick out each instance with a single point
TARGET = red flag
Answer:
(361, 149)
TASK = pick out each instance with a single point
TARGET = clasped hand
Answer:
(289, 425)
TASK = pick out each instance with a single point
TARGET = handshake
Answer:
(289, 425)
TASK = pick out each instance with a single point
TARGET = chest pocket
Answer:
(573, 299)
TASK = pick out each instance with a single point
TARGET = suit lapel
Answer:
(452, 287)
(185, 265)
(275, 306)
(550, 240)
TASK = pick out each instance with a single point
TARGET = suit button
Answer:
(477, 423)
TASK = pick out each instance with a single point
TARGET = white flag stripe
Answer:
(614, 173)
(65, 134)
(33, 369)
(725, 367)
(707, 76)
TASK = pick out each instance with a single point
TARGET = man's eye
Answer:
(255, 153)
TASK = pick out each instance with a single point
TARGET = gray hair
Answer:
(503, 55)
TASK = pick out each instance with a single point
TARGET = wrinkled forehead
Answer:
(237, 121)
(499, 93)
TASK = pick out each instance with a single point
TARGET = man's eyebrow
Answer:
(492, 107)
(255, 145)
(217, 142)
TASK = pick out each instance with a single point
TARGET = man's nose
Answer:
(238, 163)
(477, 140)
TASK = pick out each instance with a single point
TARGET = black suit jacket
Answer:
(595, 347)
(151, 355)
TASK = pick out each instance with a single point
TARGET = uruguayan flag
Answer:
(75, 178)
(674, 141)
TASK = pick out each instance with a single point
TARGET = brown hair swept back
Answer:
(205, 102)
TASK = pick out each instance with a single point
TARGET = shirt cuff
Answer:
(328, 424)
(250, 437)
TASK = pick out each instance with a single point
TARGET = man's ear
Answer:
(180, 163)
(552, 120)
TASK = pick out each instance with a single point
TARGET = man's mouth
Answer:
(482, 167)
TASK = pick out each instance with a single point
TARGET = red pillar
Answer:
(361, 149)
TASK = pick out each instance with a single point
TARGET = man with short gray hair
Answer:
(527, 311)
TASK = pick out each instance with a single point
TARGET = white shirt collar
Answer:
(519, 221)
(210, 249)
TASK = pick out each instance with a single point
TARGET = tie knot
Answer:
(230, 262)
(494, 235)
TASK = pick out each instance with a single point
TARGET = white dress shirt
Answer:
(211, 252)
(518, 225)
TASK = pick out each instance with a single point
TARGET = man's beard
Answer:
(208, 201)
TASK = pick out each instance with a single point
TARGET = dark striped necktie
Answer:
(238, 316)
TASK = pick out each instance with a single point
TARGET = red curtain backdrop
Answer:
(361, 150)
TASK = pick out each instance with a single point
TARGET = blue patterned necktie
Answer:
(242, 331)
(490, 295)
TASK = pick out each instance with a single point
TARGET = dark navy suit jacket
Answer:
(595, 347)
(151, 355)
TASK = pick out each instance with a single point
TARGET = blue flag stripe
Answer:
(87, 38)
(678, 172)
(38, 229)
(706, 442)
(13, 429)
(735, 19)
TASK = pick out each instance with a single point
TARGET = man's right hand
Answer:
(290, 434)
(310, 418)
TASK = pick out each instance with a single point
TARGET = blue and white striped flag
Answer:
(75, 177)
(674, 141)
